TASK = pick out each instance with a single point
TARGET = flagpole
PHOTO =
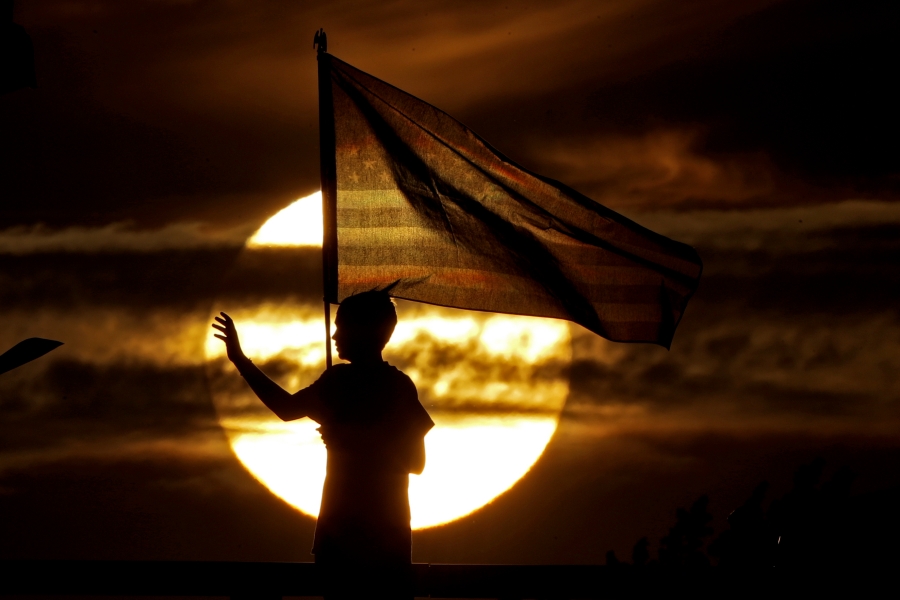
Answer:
(328, 178)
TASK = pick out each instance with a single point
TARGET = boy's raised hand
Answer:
(229, 335)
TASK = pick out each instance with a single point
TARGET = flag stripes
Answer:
(426, 206)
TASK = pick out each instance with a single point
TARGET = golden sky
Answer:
(162, 134)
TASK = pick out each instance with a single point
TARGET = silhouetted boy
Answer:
(374, 429)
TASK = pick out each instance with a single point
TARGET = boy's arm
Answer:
(285, 405)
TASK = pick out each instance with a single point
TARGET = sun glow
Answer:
(299, 224)
(494, 385)
(289, 458)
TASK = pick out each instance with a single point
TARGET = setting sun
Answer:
(494, 385)
(298, 224)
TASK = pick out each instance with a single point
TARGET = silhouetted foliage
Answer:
(611, 559)
(814, 525)
(749, 540)
(640, 554)
(810, 521)
(683, 546)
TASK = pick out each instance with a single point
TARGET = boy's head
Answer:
(364, 324)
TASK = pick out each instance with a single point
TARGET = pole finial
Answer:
(320, 41)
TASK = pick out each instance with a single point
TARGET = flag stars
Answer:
(518, 203)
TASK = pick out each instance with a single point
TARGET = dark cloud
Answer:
(70, 401)
(171, 278)
(795, 317)
(163, 112)
(790, 103)
(663, 167)
(184, 279)
(148, 504)
(118, 237)
(72, 155)
(267, 274)
(833, 260)
(804, 81)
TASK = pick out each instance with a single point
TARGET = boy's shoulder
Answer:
(398, 374)
(386, 382)
(345, 371)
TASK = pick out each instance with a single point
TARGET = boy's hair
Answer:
(372, 311)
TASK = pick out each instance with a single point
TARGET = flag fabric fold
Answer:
(424, 205)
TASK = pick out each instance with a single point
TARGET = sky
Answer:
(162, 134)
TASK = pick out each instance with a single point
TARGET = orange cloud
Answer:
(656, 170)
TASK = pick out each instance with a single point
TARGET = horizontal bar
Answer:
(273, 580)
(156, 578)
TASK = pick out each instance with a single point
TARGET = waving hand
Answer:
(229, 335)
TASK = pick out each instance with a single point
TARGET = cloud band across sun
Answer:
(494, 384)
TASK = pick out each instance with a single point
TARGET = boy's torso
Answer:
(369, 418)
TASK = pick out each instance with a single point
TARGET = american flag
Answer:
(423, 205)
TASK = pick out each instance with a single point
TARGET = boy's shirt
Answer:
(372, 422)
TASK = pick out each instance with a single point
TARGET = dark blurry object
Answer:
(816, 524)
(16, 53)
(814, 528)
(683, 546)
(25, 352)
(749, 542)
(612, 560)
(320, 41)
(640, 554)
